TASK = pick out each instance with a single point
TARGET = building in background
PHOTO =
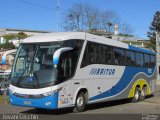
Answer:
(7, 31)
(142, 43)
(131, 40)
(4, 31)
(116, 36)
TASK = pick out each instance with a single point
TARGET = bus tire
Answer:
(136, 97)
(143, 93)
(80, 103)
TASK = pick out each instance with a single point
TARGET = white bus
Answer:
(73, 69)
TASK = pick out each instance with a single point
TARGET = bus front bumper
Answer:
(48, 102)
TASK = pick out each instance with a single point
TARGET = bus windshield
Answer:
(33, 65)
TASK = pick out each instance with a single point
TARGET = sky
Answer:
(42, 14)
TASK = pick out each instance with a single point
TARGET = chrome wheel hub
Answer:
(136, 95)
(80, 101)
(143, 93)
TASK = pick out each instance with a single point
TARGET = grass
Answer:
(4, 99)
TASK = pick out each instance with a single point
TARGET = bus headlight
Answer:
(51, 92)
(48, 93)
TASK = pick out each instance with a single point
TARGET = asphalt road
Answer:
(116, 109)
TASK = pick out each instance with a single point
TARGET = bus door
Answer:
(63, 63)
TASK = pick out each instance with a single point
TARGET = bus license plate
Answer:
(27, 102)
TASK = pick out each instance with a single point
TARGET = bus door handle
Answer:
(76, 83)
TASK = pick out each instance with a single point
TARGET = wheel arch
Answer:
(81, 89)
(139, 83)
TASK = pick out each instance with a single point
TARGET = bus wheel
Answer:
(80, 103)
(136, 97)
(143, 93)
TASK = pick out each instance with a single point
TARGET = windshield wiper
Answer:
(22, 75)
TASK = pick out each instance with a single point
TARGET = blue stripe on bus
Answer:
(141, 50)
(49, 102)
(126, 78)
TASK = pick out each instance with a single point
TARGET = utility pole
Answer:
(58, 15)
(158, 53)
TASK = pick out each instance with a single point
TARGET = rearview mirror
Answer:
(57, 54)
(4, 57)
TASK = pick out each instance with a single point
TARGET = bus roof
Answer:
(60, 36)
(141, 50)
(56, 36)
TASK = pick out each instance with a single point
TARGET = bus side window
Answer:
(139, 59)
(88, 53)
(108, 55)
(67, 65)
(153, 61)
(146, 60)
(64, 67)
(119, 56)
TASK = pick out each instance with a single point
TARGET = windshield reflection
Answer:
(33, 66)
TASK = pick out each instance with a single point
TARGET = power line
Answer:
(35, 5)
(58, 8)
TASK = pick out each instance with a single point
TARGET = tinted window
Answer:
(139, 59)
(68, 60)
(146, 60)
(108, 55)
(96, 53)
(153, 61)
(119, 56)
(130, 58)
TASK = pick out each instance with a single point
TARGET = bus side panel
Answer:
(104, 87)
(98, 78)
(65, 94)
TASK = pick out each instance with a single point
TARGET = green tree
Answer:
(7, 45)
(154, 27)
(7, 37)
(21, 35)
